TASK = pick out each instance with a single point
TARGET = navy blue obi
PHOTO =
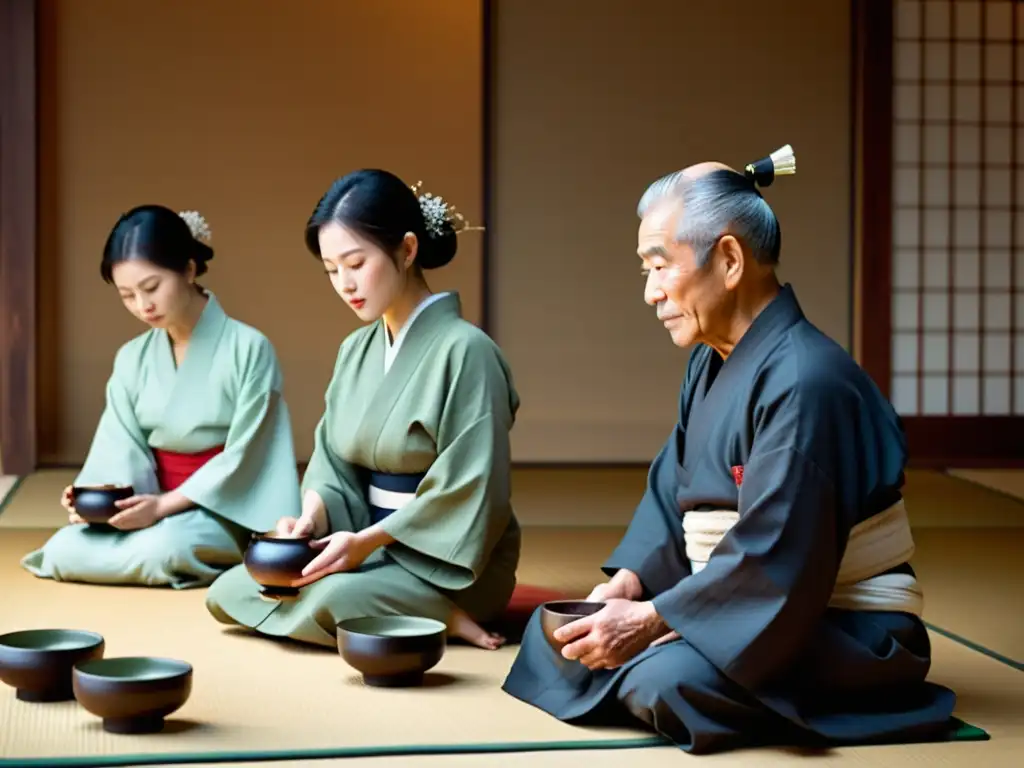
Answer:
(388, 493)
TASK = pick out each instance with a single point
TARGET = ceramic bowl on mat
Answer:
(557, 613)
(132, 694)
(37, 663)
(274, 562)
(392, 651)
(95, 503)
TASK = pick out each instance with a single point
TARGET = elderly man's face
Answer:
(689, 300)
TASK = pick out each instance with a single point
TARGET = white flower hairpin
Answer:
(196, 223)
(438, 214)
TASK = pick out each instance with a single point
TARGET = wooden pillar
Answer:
(18, 206)
(872, 200)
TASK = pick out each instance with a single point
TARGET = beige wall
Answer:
(246, 111)
(592, 104)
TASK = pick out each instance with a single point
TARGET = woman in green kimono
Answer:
(194, 421)
(407, 492)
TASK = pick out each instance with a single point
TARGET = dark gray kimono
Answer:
(790, 432)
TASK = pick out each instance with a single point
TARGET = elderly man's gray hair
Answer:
(714, 204)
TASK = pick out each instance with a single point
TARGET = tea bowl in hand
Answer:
(37, 663)
(132, 694)
(95, 503)
(275, 562)
(392, 651)
(557, 613)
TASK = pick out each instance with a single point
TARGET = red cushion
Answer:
(526, 599)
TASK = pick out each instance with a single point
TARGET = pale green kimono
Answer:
(445, 408)
(227, 392)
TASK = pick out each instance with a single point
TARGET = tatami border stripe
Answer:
(398, 750)
(985, 487)
(964, 732)
(976, 647)
(10, 494)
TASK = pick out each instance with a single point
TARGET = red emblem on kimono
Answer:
(737, 475)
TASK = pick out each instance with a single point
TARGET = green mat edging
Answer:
(960, 731)
(397, 750)
(976, 647)
(10, 494)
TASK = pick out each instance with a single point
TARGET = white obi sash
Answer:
(877, 544)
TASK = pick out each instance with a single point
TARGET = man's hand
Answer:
(624, 584)
(613, 635)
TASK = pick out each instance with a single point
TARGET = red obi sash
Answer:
(173, 469)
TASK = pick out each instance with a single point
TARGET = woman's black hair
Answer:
(155, 234)
(382, 208)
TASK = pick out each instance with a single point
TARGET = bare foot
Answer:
(463, 626)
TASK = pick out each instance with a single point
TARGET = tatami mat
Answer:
(253, 694)
(34, 501)
(250, 693)
(7, 482)
(934, 499)
(989, 694)
(1008, 481)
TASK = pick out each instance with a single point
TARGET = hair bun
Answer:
(438, 250)
(781, 162)
(443, 223)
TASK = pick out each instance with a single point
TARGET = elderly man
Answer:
(761, 594)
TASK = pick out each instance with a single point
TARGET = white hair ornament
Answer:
(197, 224)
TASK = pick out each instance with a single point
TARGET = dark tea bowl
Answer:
(95, 503)
(557, 613)
(132, 694)
(392, 651)
(37, 663)
(274, 562)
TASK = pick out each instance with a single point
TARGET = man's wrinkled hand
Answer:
(613, 635)
(625, 584)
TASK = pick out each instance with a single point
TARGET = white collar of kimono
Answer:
(391, 347)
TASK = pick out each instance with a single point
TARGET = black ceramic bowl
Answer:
(392, 651)
(132, 694)
(274, 562)
(95, 503)
(37, 663)
(558, 613)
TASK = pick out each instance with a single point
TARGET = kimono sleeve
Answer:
(332, 478)
(767, 585)
(653, 546)
(254, 480)
(463, 505)
(119, 453)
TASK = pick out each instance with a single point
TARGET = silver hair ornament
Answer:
(437, 214)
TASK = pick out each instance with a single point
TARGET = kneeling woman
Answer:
(194, 422)
(407, 489)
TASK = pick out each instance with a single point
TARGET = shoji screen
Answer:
(957, 312)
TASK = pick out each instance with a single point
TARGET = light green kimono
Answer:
(227, 392)
(445, 408)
